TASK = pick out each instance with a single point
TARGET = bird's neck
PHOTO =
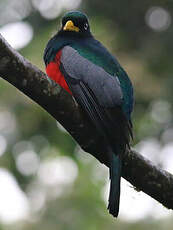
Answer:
(73, 34)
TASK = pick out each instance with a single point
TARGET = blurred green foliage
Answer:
(145, 53)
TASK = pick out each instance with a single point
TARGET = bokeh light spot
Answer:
(167, 135)
(36, 196)
(13, 202)
(27, 163)
(14, 10)
(149, 148)
(60, 170)
(161, 111)
(158, 18)
(7, 122)
(22, 146)
(166, 157)
(53, 8)
(43, 5)
(17, 34)
(71, 4)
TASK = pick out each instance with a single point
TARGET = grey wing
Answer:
(98, 93)
(105, 86)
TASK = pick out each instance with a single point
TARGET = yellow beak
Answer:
(70, 26)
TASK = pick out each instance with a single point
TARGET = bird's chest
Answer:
(53, 71)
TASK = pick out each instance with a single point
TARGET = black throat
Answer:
(74, 34)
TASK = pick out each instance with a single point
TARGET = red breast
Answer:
(53, 71)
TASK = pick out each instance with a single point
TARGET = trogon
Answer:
(80, 64)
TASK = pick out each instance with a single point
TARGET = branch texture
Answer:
(140, 172)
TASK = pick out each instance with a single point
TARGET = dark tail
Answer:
(115, 176)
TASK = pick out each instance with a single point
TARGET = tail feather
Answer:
(115, 177)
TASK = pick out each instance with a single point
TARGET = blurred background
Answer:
(46, 180)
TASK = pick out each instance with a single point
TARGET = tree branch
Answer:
(140, 172)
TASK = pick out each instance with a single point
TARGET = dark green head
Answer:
(75, 23)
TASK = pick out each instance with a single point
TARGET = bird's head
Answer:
(75, 23)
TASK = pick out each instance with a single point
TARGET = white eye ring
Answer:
(86, 26)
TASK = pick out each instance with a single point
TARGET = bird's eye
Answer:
(86, 26)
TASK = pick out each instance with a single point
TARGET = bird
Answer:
(81, 65)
